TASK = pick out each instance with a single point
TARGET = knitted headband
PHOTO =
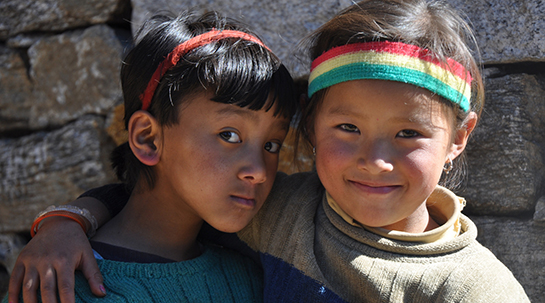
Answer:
(179, 51)
(393, 61)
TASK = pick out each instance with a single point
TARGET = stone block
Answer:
(507, 31)
(19, 16)
(539, 214)
(60, 78)
(520, 245)
(505, 161)
(281, 24)
(49, 168)
(74, 73)
(10, 246)
(15, 91)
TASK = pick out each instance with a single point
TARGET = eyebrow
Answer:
(235, 110)
(342, 111)
(339, 110)
(246, 113)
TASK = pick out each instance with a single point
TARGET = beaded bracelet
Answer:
(81, 215)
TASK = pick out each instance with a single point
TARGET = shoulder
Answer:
(233, 261)
(292, 203)
(480, 277)
(295, 182)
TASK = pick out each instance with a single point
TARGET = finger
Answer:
(48, 286)
(30, 286)
(66, 280)
(15, 283)
(90, 270)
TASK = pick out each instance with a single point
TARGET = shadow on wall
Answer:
(4, 279)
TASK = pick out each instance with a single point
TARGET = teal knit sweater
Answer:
(218, 275)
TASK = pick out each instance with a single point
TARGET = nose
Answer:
(254, 169)
(375, 157)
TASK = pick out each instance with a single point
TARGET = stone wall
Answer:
(59, 92)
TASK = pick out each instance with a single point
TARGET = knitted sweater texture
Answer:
(218, 275)
(311, 254)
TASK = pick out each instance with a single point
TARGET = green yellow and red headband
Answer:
(394, 61)
(181, 50)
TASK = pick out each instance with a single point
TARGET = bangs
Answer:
(240, 73)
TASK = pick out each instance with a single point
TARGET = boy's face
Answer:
(220, 161)
(380, 150)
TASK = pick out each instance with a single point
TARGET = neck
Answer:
(154, 224)
(418, 222)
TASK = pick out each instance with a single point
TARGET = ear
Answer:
(145, 137)
(462, 135)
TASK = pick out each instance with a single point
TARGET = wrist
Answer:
(56, 221)
(80, 215)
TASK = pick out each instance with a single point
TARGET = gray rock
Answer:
(507, 31)
(18, 16)
(520, 245)
(505, 162)
(281, 24)
(51, 168)
(74, 73)
(10, 246)
(26, 40)
(539, 214)
(15, 91)
(70, 75)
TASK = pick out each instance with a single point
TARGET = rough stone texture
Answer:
(281, 23)
(71, 74)
(505, 155)
(56, 68)
(50, 168)
(74, 74)
(15, 91)
(507, 31)
(519, 244)
(10, 246)
(18, 16)
(539, 214)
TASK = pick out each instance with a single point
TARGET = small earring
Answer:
(448, 167)
(314, 151)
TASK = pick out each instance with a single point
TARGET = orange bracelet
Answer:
(77, 218)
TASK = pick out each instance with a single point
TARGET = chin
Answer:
(231, 228)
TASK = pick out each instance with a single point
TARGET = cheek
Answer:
(425, 167)
(333, 156)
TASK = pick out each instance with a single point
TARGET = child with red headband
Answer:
(207, 107)
(394, 94)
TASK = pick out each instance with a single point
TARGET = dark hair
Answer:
(429, 24)
(237, 71)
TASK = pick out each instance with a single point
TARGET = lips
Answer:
(374, 188)
(244, 202)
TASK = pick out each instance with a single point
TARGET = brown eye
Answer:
(230, 137)
(272, 147)
(349, 128)
(408, 133)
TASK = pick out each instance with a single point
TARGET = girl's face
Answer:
(219, 163)
(380, 149)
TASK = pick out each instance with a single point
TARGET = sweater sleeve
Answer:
(113, 196)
